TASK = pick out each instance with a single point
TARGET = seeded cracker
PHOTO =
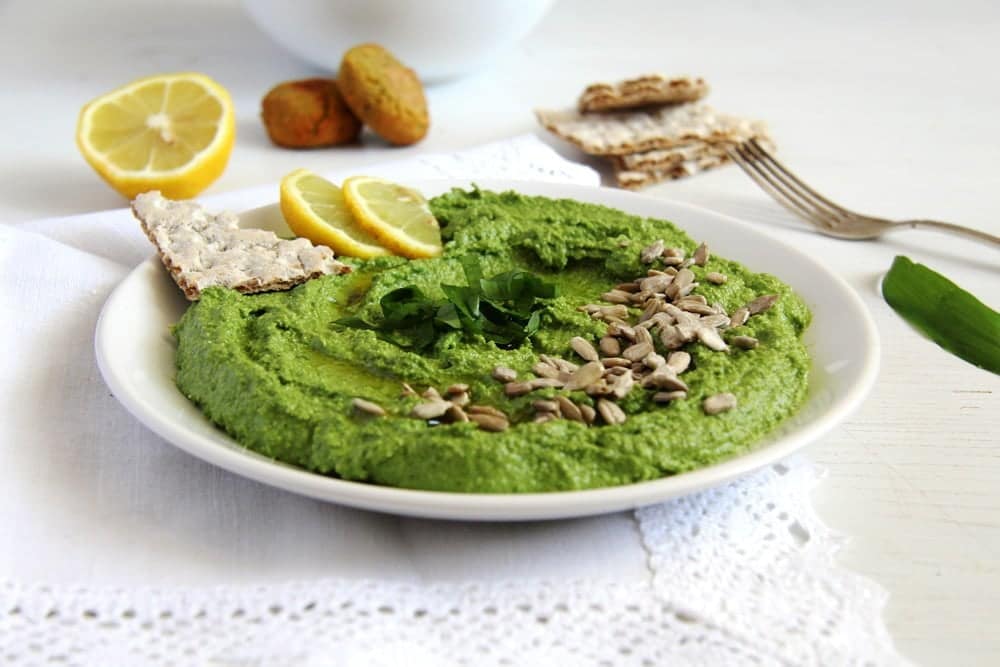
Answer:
(202, 250)
(642, 91)
(634, 179)
(625, 132)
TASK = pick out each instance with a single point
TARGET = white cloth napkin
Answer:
(117, 548)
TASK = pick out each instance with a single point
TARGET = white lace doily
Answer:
(741, 574)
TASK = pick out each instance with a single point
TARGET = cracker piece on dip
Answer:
(202, 249)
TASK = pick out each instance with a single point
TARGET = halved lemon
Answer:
(170, 132)
(314, 208)
(398, 216)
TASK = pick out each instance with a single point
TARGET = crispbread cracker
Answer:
(641, 91)
(202, 250)
(624, 132)
(636, 178)
(662, 158)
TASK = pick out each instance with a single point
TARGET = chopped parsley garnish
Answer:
(505, 309)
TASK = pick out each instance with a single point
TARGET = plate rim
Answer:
(504, 507)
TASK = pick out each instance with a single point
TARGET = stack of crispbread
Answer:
(652, 128)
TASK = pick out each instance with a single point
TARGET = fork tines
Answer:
(784, 186)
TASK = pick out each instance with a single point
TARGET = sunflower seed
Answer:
(617, 296)
(431, 394)
(693, 298)
(656, 283)
(701, 255)
(361, 405)
(609, 346)
(710, 338)
(604, 312)
(456, 414)
(667, 396)
(715, 321)
(651, 309)
(744, 342)
(588, 413)
(673, 252)
(672, 261)
(683, 278)
(739, 318)
(637, 351)
(564, 366)
(490, 422)
(485, 410)
(517, 388)
(716, 278)
(587, 374)
(543, 417)
(651, 252)
(458, 388)
(542, 369)
(640, 298)
(583, 348)
(661, 319)
(461, 400)
(623, 331)
(431, 409)
(761, 303)
(569, 409)
(545, 405)
(621, 385)
(546, 383)
(696, 307)
(653, 360)
(504, 374)
(664, 378)
(670, 337)
(615, 362)
(628, 287)
(678, 361)
(642, 335)
(713, 405)
(610, 412)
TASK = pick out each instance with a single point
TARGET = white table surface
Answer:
(889, 107)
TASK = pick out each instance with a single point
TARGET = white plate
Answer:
(135, 352)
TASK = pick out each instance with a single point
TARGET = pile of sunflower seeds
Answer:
(625, 357)
(628, 354)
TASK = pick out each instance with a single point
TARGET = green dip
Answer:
(276, 373)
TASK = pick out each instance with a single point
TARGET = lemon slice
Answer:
(314, 208)
(171, 132)
(399, 217)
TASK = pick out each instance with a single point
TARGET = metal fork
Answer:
(829, 218)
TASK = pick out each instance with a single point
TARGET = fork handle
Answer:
(955, 229)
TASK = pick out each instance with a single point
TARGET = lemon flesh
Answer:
(398, 216)
(172, 132)
(314, 208)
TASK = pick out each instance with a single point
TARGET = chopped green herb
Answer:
(944, 312)
(505, 309)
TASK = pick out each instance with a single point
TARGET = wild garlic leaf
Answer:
(947, 314)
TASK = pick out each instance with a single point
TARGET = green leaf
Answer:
(504, 309)
(944, 312)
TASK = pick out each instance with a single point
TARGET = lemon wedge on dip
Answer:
(170, 132)
(398, 216)
(314, 208)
